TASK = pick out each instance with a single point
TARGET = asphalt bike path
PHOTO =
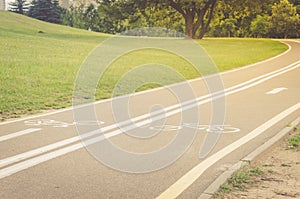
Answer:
(42, 156)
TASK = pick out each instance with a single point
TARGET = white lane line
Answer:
(19, 133)
(152, 90)
(145, 116)
(190, 177)
(40, 159)
(276, 91)
(37, 160)
(35, 152)
(189, 104)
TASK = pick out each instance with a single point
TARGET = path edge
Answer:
(216, 184)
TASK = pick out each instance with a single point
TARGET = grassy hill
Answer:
(39, 62)
(37, 70)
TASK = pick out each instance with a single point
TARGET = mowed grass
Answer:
(39, 62)
(226, 53)
(235, 52)
(37, 70)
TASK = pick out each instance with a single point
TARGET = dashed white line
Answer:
(276, 91)
(19, 133)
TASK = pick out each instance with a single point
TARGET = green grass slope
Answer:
(37, 70)
(39, 62)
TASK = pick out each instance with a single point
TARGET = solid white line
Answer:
(29, 163)
(19, 133)
(190, 177)
(185, 105)
(152, 90)
(34, 161)
(32, 153)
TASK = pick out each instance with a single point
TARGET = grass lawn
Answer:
(39, 62)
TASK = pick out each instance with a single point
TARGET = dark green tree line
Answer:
(195, 18)
(255, 18)
(46, 10)
(19, 6)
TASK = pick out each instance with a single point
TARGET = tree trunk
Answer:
(204, 27)
(193, 12)
(189, 26)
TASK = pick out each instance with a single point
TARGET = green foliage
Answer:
(239, 181)
(260, 26)
(92, 17)
(217, 18)
(157, 16)
(112, 15)
(118, 16)
(256, 172)
(294, 141)
(228, 27)
(269, 18)
(285, 22)
(74, 17)
(239, 14)
(197, 15)
(19, 6)
(46, 10)
(296, 3)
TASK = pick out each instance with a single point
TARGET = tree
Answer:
(19, 6)
(113, 15)
(91, 15)
(296, 3)
(197, 14)
(228, 27)
(74, 17)
(260, 26)
(157, 16)
(285, 22)
(46, 10)
(242, 12)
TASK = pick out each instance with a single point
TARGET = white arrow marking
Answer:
(276, 90)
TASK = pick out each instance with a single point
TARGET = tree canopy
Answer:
(19, 6)
(197, 14)
(46, 10)
(195, 18)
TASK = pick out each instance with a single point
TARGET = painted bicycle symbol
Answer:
(206, 128)
(60, 124)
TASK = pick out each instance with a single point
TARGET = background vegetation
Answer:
(214, 18)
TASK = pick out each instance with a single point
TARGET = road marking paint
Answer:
(26, 164)
(276, 91)
(151, 90)
(190, 177)
(60, 124)
(19, 133)
(37, 160)
(145, 116)
(35, 152)
(204, 128)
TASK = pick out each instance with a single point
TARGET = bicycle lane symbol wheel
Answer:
(94, 68)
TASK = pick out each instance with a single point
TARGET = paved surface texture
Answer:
(42, 156)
